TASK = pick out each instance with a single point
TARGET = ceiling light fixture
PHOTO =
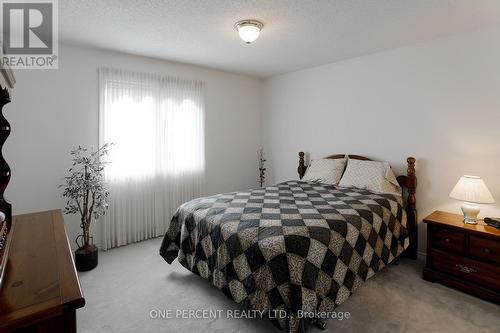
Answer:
(248, 30)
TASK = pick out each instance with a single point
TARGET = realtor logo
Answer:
(29, 34)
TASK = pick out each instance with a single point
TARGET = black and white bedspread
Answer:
(298, 246)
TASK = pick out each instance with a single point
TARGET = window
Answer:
(155, 124)
(157, 162)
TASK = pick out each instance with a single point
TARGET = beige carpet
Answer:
(133, 280)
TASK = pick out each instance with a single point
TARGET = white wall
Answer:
(55, 110)
(438, 101)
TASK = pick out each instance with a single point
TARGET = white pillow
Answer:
(370, 175)
(326, 170)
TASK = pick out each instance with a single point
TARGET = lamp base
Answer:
(470, 212)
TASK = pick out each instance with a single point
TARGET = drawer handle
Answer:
(486, 250)
(465, 269)
(447, 240)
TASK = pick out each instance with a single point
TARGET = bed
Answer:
(297, 248)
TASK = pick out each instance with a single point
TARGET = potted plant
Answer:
(86, 194)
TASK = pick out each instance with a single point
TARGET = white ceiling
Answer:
(297, 34)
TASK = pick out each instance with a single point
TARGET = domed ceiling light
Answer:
(248, 30)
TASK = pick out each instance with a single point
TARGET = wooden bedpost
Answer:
(302, 167)
(411, 208)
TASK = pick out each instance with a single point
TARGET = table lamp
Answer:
(471, 190)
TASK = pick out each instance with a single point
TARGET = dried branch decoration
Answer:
(262, 169)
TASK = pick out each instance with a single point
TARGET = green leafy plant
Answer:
(85, 190)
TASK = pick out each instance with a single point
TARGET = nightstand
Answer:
(463, 256)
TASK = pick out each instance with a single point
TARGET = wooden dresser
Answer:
(41, 291)
(463, 256)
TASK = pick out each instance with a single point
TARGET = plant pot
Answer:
(86, 258)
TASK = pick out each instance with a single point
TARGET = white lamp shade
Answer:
(249, 33)
(472, 189)
(249, 30)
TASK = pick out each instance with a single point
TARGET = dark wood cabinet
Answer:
(463, 256)
(41, 291)
(7, 82)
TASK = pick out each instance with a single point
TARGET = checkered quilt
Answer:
(297, 246)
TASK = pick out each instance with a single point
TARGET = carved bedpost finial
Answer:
(411, 165)
(302, 166)
(412, 179)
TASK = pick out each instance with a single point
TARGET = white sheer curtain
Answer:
(157, 160)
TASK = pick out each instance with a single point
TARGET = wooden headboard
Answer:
(408, 182)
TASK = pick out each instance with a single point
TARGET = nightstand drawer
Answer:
(484, 248)
(448, 239)
(466, 268)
